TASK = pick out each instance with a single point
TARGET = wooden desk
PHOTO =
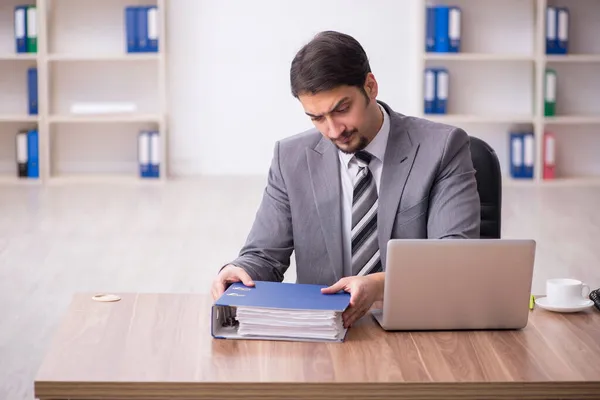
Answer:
(158, 346)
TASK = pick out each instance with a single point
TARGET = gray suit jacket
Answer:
(427, 190)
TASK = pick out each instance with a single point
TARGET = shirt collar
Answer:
(377, 145)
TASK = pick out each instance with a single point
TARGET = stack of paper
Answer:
(279, 311)
(292, 324)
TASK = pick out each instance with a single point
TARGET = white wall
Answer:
(228, 76)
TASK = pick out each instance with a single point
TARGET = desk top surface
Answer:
(148, 344)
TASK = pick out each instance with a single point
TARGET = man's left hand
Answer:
(364, 291)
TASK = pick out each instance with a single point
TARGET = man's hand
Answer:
(364, 291)
(228, 275)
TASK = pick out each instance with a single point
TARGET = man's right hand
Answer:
(228, 275)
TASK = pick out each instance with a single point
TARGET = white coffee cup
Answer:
(566, 291)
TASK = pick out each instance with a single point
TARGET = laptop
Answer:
(457, 284)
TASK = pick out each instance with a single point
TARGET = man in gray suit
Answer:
(337, 193)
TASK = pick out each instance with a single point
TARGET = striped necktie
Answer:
(365, 247)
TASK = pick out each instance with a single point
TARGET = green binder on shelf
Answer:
(32, 29)
(550, 93)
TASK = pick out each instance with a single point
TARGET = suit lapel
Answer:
(323, 165)
(399, 157)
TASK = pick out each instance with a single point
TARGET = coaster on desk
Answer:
(106, 297)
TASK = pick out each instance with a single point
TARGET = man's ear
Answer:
(371, 86)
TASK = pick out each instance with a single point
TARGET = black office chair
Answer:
(489, 186)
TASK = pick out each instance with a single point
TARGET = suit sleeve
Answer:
(455, 205)
(269, 246)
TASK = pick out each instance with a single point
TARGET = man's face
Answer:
(343, 115)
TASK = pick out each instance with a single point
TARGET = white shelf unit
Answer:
(82, 57)
(496, 82)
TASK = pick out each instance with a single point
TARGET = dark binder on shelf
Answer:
(131, 29)
(279, 311)
(32, 91)
(20, 22)
(21, 153)
(33, 164)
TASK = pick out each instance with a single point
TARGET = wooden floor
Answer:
(63, 239)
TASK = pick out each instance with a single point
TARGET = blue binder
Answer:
(430, 29)
(551, 30)
(429, 90)
(516, 155)
(20, 22)
(522, 155)
(33, 158)
(528, 154)
(442, 14)
(154, 163)
(32, 91)
(152, 14)
(442, 79)
(131, 29)
(275, 296)
(562, 32)
(142, 29)
(144, 154)
(454, 29)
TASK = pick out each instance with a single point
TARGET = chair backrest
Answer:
(489, 186)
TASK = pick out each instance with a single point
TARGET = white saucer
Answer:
(569, 308)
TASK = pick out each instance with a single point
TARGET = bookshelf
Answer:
(82, 57)
(497, 83)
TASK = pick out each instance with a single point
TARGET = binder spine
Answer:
(32, 29)
(152, 23)
(154, 154)
(549, 151)
(144, 153)
(441, 29)
(454, 29)
(131, 29)
(516, 154)
(21, 150)
(21, 29)
(551, 45)
(528, 154)
(562, 37)
(430, 22)
(142, 29)
(32, 91)
(442, 86)
(429, 91)
(33, 170)
(550, 93)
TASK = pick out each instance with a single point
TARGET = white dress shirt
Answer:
(348, 175)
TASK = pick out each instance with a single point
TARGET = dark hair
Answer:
(329, 60)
